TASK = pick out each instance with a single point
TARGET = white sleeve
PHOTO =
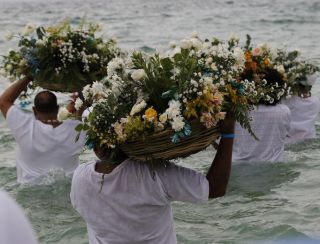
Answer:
(183, 184)
(18, 121)
(14, 226)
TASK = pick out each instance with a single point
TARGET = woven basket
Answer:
(160, 147)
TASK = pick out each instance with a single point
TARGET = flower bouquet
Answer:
(60, 58)
(164, 106)
(141, 108)
(300, 73)
(269, 83)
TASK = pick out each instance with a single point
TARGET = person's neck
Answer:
(105, 168)
(50, 119)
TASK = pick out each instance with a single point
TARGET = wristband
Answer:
(227, 136)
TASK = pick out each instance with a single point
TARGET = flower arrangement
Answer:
(60, 57)
(197, 82)
(269, 79)
(301, 74)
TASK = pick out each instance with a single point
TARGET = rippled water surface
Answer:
(265, 203)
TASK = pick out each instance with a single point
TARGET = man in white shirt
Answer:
(130, 202)
(271, 125)
(43, 143)
(14, 226)
(304, 113)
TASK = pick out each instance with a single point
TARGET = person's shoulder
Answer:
(83, 169)
(14, 111)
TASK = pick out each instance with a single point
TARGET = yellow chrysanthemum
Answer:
(151, 114)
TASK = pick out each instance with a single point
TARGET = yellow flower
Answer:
(151, 114)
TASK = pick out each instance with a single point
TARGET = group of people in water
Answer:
(125, 201)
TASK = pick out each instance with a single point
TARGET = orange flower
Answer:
(248, 56)
(151, 114)
(266, 61)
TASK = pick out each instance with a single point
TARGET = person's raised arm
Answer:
(9, 96)
(219, 171)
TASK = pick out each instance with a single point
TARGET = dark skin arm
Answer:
(219, 171)
(9, 96)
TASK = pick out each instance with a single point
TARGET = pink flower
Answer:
(257, 51)
(206, 119)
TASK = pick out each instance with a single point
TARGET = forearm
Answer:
(9, 96)
(219, 171)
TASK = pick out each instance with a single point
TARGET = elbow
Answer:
(2, 103)
(217, 194)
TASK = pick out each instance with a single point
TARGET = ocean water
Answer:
(265, 203)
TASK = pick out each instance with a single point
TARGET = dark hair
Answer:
(272, 76)
(46, 102)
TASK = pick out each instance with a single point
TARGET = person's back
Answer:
(133, 203)
(43, 142)
(304, 113)
(41, 147)
(271, 125)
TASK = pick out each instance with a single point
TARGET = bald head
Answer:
(46, 102)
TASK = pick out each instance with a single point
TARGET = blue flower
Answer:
(238, 86)
(89, 144)
(187, 130)
(175, 138)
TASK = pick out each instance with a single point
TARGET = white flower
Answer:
(194, 34)
(138, 107)
(177, 123)
(40, 43)
(63, 114)
(163, 118)
(172, 44)
(174, 109)
(280, 68)
(86, 91)
(138, 74)
(196, 43)
(8, 35)
(97, 88)
(22, 63)
(28, 29)
(8, 67)
(78, 103)
(185, 44)
(234, 37)
(100, 46)
(239, 55)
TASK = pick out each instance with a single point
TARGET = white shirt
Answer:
(271, 125)
(134, 204)
(40, 147)
(304, 113)
(14, 226)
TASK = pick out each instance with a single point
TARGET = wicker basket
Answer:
(160, 147)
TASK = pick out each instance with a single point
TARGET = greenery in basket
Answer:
(260, 63)
(60, 54)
